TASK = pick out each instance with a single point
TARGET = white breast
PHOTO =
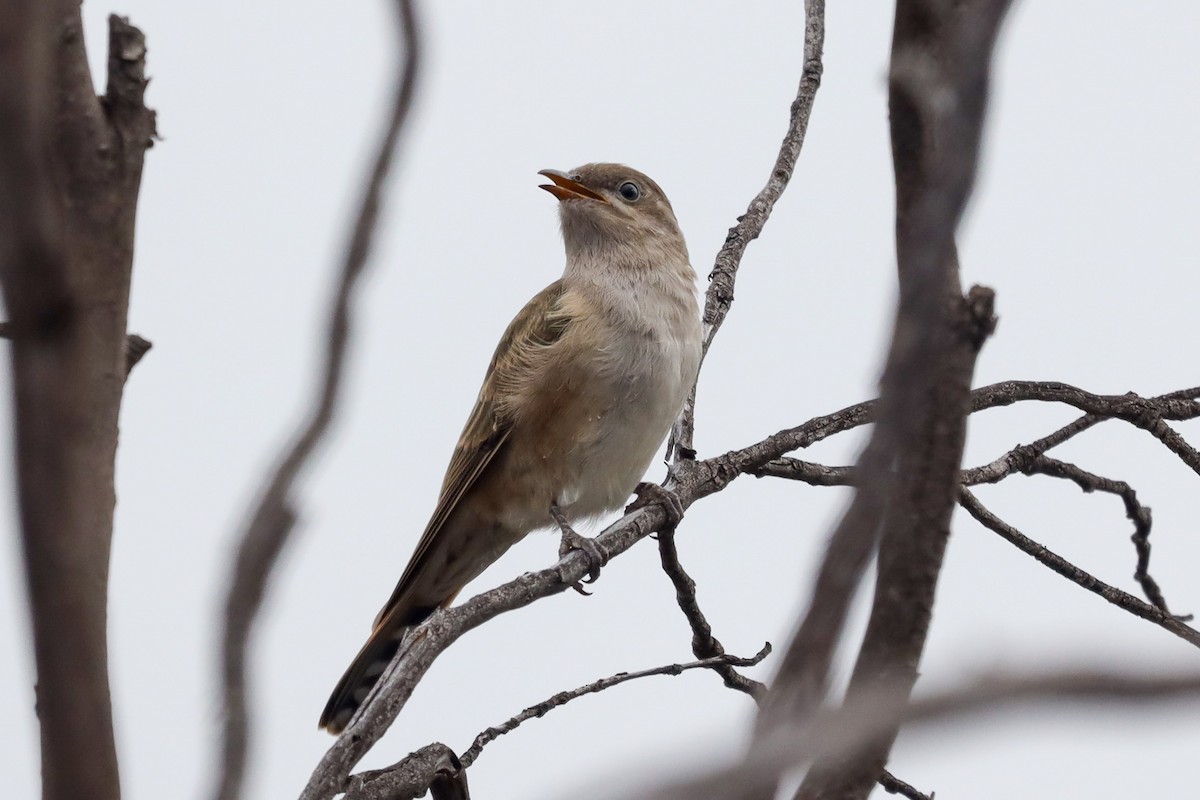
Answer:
(649, 368)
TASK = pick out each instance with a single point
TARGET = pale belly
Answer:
(600, 439)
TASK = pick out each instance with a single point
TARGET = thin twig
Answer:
(893, 785)
(704, 644)
(434, 767)
(1137, 513)
(272, 519)
(1112, 594)
(719, 296)
(562, 698)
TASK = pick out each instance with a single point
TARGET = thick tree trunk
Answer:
(70, 169)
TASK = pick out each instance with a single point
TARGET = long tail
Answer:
(362, 674)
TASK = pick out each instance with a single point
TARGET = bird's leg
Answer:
(573, 541)
(650, 493)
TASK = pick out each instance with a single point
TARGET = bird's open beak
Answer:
(566, 189)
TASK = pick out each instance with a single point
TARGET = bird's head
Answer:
(611, 209)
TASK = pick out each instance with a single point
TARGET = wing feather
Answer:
(540, 324)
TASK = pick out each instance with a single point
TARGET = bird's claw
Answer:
(572, 541)
(650, 493)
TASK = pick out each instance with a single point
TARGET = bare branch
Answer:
(690, 481)
(272, 519)
(719, 297)
(1137, 513)
(67, 211)
(1076, 575)
(836, 733)
(562, 698)
(938, 88)
(418, 771)
(704, 644)
(893, 785)
(813, 474)
(433, 768)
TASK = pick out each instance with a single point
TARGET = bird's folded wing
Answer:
(538, 326)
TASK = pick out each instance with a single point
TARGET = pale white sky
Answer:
(1084, 223)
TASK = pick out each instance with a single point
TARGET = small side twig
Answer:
(135, 346)
(719, 296)
(1112, 594)
(1137, 513)
(893, 785)
(704, 644)
(562, 698)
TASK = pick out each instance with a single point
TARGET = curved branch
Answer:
(719, 296)
(691, 481)
(271, 521)
(704, 644)
(562, 698)
(1112, 594)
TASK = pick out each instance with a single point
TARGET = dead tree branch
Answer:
(70, 171)
(1076, 575)
(271, 521)
(893, 785)
(433, 768)
(719, 297)
(1137, 513)
(704, 644)
(691, 481)
(562, 698)
(938, 87)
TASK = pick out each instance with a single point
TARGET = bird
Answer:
(580, 393)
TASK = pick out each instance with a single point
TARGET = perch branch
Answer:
(691, 481)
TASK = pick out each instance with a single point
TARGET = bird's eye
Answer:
(629, 191)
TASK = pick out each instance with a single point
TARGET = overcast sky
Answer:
(1084, 222)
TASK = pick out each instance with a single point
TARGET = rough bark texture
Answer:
(70, 169)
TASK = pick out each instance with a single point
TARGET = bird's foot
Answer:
(572, 541)
(651, 493)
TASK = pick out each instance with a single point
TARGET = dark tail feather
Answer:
(363, 673)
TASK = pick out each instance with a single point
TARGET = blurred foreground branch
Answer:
(70, 172)
(835, 734)
(271, 521)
